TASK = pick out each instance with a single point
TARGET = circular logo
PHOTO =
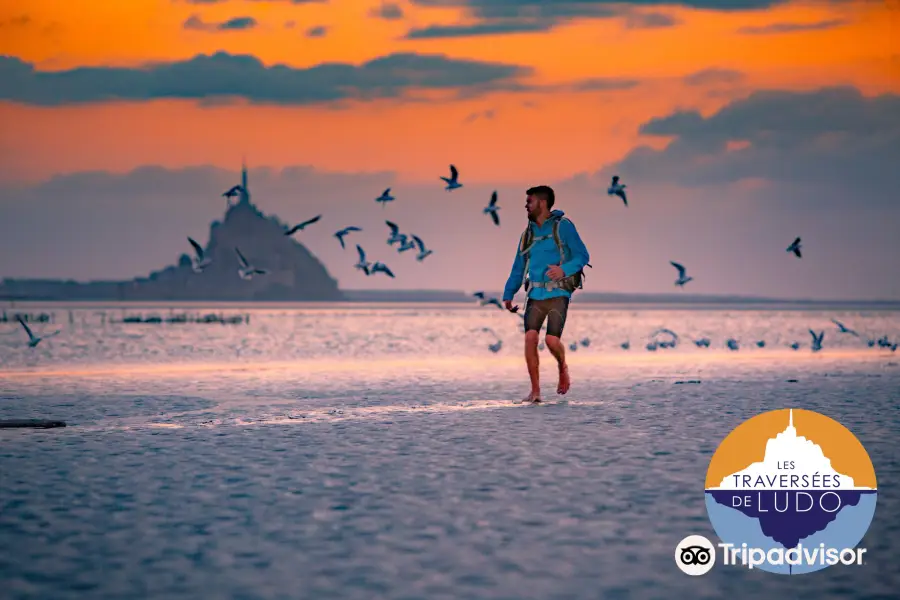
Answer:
(791, 491)
(695, 555)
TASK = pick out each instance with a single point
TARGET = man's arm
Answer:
(579, 253)
(516, 276)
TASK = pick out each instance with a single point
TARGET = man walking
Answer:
(550, 258)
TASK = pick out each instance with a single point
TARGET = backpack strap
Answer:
(556, 238)
(526, 239)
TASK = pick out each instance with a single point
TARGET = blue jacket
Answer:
(545, 253)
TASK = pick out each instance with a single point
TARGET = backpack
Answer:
(570, 283)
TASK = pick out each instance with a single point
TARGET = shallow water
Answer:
(375, 453)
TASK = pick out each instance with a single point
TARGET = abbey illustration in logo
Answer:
(795, 483)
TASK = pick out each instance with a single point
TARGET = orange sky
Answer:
(549, 134)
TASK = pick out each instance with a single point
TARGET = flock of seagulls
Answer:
(406, 242)
(618, 189)
(673, 341)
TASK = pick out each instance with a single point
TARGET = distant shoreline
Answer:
(434, 298)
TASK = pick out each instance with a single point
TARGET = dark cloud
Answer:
(496, 17)
(484, 28)
(195, 22)
(317, 31)
(238, 23)
(793, 27)
(586, 8)
(223, 75)
(712, 76)
(652, 20)
(832, 136)
(602, 84)
(388, 11)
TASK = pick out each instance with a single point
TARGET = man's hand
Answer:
(509, 306)
(555, 272)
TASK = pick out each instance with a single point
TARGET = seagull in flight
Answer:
(795, 248)
(396, 236)
(385, 197)
(300, 227)
(492, 208)
(33, 340)
(493, 301)
(681, 276)
(484, 302)
(340, 234)
(234, 191)
(423, 252)
(817, 340)
(843, 328)
(406, 244)
(200, 261)
(496, 346)
(378, 266)
(452, 182)
(490, 331)
(247, 271)
(617, 189)
(363, 264)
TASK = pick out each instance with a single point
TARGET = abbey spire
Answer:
(245, 191)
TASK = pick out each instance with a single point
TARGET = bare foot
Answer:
(564, 382)
(532, 397)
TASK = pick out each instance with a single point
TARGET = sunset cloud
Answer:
(713, 75)
(195, 22)
(497, 17)
(226, 75)
(388, 11)
(792, 27)
(832, 136)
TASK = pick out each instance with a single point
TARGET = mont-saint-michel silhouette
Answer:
(293, 272)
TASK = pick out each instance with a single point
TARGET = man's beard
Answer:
(532, 216)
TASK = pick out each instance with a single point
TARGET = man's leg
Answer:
(534, 320)
(533, 363)
(556, 320)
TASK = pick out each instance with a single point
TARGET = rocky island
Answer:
(294, 273)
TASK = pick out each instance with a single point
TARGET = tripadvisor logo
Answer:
(790, 491)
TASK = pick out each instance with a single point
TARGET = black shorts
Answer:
(552, 309)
